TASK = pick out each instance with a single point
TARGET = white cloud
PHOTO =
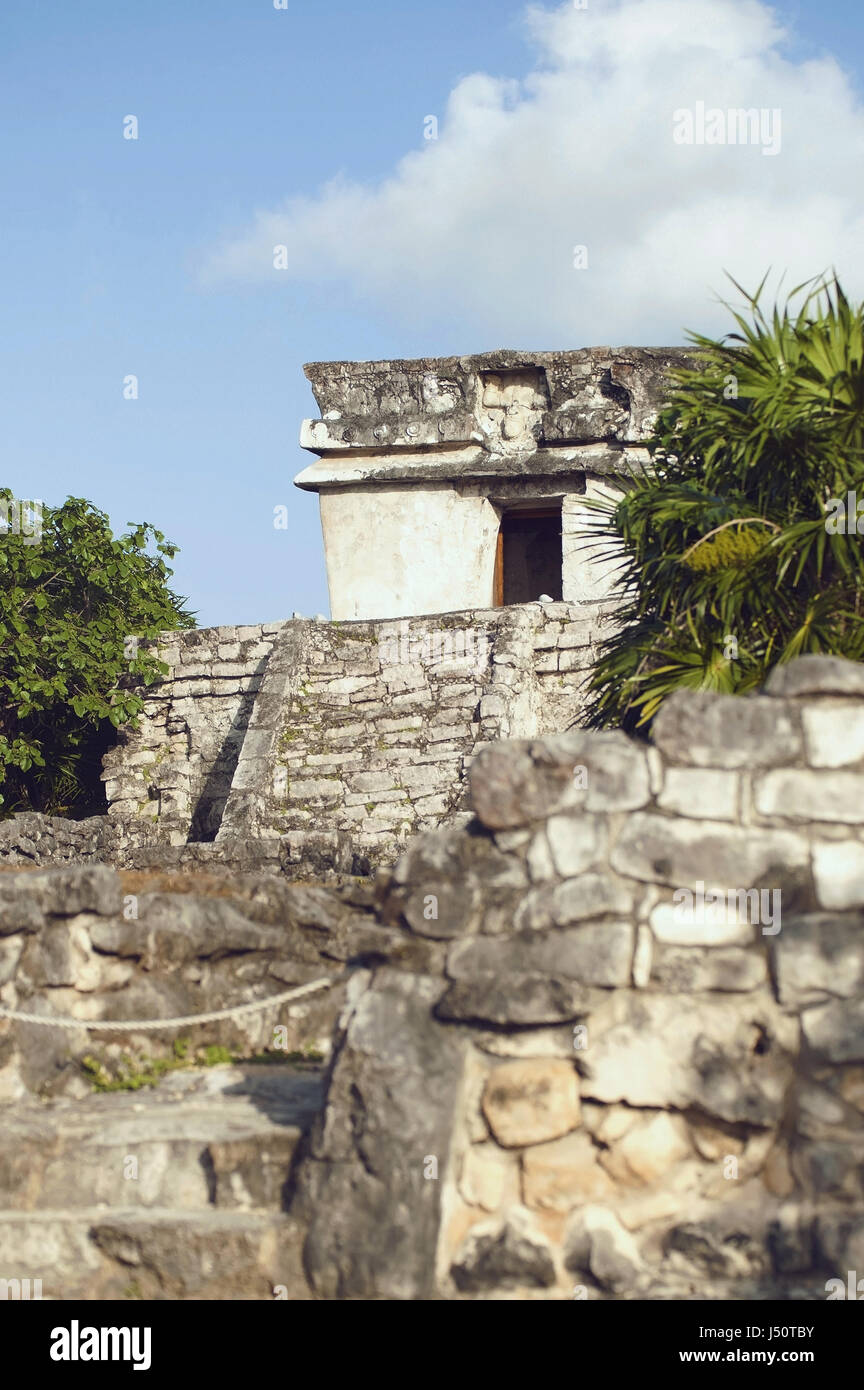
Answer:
(475, 232)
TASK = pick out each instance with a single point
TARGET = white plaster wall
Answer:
(586, 578)
(403, 551)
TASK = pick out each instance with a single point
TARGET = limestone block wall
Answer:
(362, 730)
(633, 1062)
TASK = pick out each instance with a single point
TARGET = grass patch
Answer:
(134, 1073)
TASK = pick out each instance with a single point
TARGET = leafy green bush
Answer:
(730, 560)
(71, 597)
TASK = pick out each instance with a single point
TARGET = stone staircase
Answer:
(317, 746)
(170, 1192)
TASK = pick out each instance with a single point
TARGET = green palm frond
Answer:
(726, 536)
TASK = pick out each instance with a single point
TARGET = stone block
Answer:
(711, 925)
(371, 782)
(817, 958)
(313, 789)
(349, 685)
(575, 842)
(409, 700)
(428, 777)
(408, 677)
(799, 794)
(661, 849)
(450, 732)
(724, 1056)
(833, 733)
(703, 729)
(816, 675)
(503, 1255)
(489, 1177)
(691, 970)
(517, 783)
(512, 1000)
(538, 856)
(838, 873)
(701, 793)
(344, 759)
(394, 726)
(575, 900)
(493, 706)
(350, 731)
(564, 1174)
(403, 1071)
(373, 697)
(649, 1150)
(598, 954)
(578, 659)
(431, 806)
(258, 743)
(531, 1101)
(576, 634)
(374, 798)
(228, 670)
(252, 773)
(597, 1245)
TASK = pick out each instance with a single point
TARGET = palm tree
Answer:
(734, 551)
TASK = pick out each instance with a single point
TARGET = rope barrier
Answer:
(140, 1025)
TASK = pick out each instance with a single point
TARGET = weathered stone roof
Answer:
(503, 412)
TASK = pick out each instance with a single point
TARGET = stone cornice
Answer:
(503, 413)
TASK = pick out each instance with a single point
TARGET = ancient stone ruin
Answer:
(459, 483)
(582, 1014)
(445, 484)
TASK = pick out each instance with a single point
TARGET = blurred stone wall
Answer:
(634, 1065)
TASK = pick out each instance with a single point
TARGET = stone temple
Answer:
(467, 607)
(456, 483)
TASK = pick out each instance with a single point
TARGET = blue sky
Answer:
(145, 257)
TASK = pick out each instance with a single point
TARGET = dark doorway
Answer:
(528, 562)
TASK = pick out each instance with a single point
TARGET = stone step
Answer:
(222, 1137)
(89, 1253)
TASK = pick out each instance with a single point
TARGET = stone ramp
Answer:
(173, 1192)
